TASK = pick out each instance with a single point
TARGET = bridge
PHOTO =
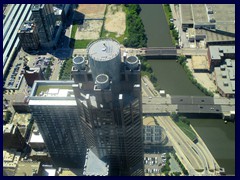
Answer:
(189, 104)
(159, 52)
(169, 52)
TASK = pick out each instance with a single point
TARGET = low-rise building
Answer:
(29, 168)
(10, 161)
(225, 78)
(217, 55)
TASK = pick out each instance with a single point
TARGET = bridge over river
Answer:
(189, 104)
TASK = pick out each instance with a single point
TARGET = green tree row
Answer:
(182, 61)
(65, 71)
(146, 69)
(136, 36)
(181, 165)
(166, 168)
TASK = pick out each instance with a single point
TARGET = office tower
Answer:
(54, 109)
(28, 36)
(44, 18)
(108, 96)
(33, 74)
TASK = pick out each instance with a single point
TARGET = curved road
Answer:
(194, 156)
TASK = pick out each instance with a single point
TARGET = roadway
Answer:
(177, 22)
(187, 104)
(193, 156)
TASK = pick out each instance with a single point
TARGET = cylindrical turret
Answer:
(102, 81)
(104, 57)
(79, 62)
(132, 62)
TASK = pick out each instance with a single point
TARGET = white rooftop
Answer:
(49, 172)
(36, 137)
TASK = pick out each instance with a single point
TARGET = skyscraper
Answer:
(28, 36)
(54, 109)
(44, 19)
(108, 95)
(100, 110)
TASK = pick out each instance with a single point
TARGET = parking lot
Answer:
(153, 163)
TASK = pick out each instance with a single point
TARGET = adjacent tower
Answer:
(108, 95)
(44, 19)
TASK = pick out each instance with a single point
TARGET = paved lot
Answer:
(153, 164)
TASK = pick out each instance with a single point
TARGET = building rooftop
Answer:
(217, 51)
(52, 93)
(199, 13)
(186, 13)
(28, 168)
(10, 158)
(223, 15)
(27, 27)
(36, 7)
(8, 128)
(225, 77)
(152, 134)
(36, 137)
(94, 166)
(52, 89)
(49, 172)
(213, 36)
(103, 49)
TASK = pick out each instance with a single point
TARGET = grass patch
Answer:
(184, 124)
(82, 44)
(113, 35)
(74, 30)
(187, 130)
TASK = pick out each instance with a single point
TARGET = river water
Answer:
(219, 137)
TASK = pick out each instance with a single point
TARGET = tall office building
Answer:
(54, 109)
(44, 17)
(28, 36)
(108, 95)
(101, 111)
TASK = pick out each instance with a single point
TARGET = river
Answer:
(219, 137)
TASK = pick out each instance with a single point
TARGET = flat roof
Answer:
(212, 36)
(103, 49)
(224, 15)
(49, 172)
(199, 13)
(27, 168)
(226, 83)
(36, 137)
(216, 51)
(186, 13)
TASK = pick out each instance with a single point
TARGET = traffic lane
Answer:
(179, 145)
(199, 109)
(186, 144)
